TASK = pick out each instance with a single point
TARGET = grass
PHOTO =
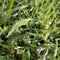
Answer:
(29, 30)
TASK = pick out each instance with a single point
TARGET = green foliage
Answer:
(26, 55)
(29, 30)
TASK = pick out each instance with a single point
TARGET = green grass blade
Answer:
(9, 9)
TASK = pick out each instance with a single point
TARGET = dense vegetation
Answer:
(29, 29)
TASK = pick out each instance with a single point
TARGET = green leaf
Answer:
(36, 3)
(26, 55)
(9, 9)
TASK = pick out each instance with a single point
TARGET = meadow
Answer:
(29, 29)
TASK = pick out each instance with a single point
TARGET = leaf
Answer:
(36, 3)
(26, 55)
(18, 24)
(9, 9)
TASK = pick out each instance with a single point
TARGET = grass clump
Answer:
(29, 30)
